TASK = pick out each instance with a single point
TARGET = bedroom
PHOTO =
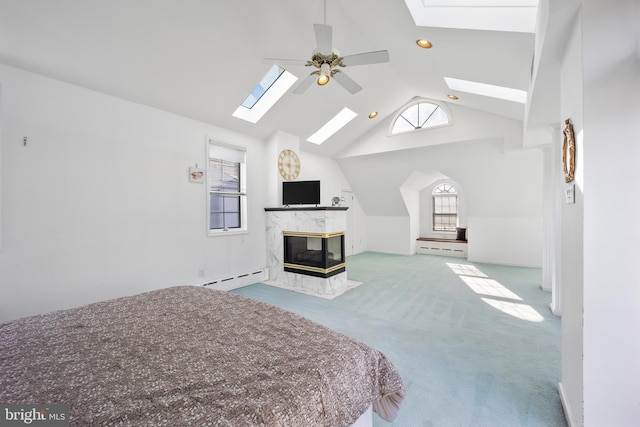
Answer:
(97, 205)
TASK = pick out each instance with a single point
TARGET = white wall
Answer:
(502, 183)
(1, 161)
(572, 232)
(356, 226)
(505, 240)
(98, 204)
(332, 183)
(503, 192)
(600, 279)
(411, 199)
(332, 180)
(389, 234)
(611, 151)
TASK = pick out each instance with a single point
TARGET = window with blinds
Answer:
(445, 208)
(226, 186)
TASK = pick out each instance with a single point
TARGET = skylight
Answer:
(267, 92)
(492, 15)
(332, 126)
(509, 94)
(262, 87)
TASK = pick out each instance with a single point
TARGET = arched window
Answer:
(418, 115)
(445, 208)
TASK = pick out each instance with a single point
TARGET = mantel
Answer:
(309, 208)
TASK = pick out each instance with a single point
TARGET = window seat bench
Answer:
(446, 247)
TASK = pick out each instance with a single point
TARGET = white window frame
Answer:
(417, 101)
(447, 194)
(212, 144)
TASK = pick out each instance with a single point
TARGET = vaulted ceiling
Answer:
(201, 58)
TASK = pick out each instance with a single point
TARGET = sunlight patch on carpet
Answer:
(481, 284)
(466, 270)
(520, 311)
(489, 287)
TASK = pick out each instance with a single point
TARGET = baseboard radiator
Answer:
(453, 248)
(233, 282)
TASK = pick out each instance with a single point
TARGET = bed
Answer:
(189, 355)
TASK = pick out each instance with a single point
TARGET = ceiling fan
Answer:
(329, 63)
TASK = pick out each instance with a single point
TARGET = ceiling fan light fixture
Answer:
(425, 44)
(323, 80)
(453, 97)
(373, 115)
(325, 70)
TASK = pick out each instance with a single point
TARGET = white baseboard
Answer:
(236, 281)
(566, 407)
(554, 309)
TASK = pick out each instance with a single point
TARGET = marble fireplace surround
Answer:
(317, 220)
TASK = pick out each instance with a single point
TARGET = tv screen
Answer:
(300, 193)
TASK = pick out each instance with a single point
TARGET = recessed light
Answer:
(425, 44)
(373, 115)
(455, 98)
(509, 94)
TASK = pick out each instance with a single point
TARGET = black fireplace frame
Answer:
(313, 262)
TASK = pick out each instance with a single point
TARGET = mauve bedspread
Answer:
(193, 356)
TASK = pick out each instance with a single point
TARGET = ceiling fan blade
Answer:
(347, 82)
(324, 34)
(282, 61)
(304, 84)
(376, 57)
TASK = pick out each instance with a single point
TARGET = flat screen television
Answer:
(300, 193)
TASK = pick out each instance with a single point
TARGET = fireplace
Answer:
(306, 250)
(314, 254)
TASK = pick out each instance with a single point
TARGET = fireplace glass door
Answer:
(314, 254)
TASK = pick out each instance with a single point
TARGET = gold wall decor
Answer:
(289, 164)
(569, 152)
